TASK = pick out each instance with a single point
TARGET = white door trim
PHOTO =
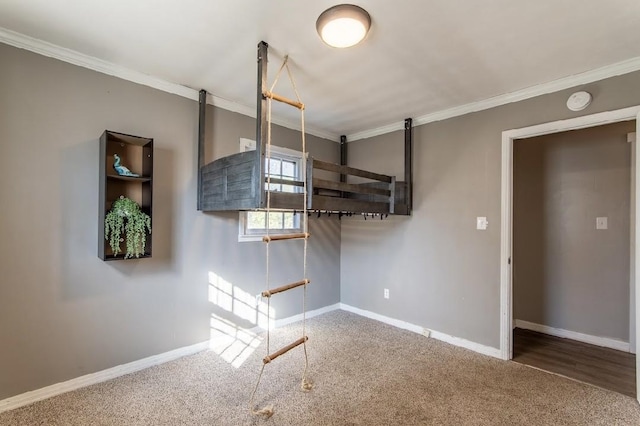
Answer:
(631, 138)
(506, 240)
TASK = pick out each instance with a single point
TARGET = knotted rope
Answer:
(306, 383)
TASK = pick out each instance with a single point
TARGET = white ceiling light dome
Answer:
(344, 25)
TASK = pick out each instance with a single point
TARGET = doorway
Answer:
(508, 138)
(570, 279)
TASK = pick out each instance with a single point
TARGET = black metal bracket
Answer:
(202, 123)
(343, 156)
(261, 123)
(408, 162)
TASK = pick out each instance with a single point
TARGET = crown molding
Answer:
(613, 70)
(50, 50)
(44, 48)
(365, 134)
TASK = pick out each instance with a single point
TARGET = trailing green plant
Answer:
(126, 217)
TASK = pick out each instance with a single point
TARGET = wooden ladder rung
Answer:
(267, 359)
(275, 97)
(269, 238)
(269, 293)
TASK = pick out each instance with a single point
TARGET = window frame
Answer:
(280, 153)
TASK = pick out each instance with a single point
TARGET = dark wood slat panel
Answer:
(232, 181)
(348, 205)
(240, 194)
(400, 209)
(604, 367)
(279, 181)
(287, 200)
(213, 185)
(230, 160)
(241, 168)
(349, 187)
(323, 165)
(229, 205)
(239, 182)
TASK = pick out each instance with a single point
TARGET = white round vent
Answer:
(579, 101)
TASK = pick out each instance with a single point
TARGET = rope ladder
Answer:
(270, 96)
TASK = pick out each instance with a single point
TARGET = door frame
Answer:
(506, 231)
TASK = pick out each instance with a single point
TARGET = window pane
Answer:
(288, 188)
(275, 187)
(289, 169)
(275, 167)
(289, 223)
(275, 220)
(256, 220)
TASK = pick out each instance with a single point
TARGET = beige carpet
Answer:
(365, 373)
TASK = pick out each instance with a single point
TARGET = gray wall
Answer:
(442, 273)
(63, 311)
(567, 274)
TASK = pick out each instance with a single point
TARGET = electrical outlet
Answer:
(601, 223)
(426, 332)
(386, 293)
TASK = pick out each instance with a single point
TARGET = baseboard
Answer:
(456, 341)
(120, 370)
(605, 342)
(101, 376)
(295, 318)
(310, 314)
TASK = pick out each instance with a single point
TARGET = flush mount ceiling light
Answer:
(344, 25)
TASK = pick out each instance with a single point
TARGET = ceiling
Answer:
(421, 57)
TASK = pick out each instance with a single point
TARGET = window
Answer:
(284, 164)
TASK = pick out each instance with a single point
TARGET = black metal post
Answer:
(343, 156)
(408, 162)
(343, 160)
(261, 123)
(202, 122)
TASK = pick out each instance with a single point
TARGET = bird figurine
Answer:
(122, 170)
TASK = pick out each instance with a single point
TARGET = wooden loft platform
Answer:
(238, 182)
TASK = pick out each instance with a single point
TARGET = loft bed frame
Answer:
(237, 182)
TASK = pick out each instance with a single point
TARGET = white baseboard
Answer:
(387, 320)
(605, 342)
(295, 318)
(120, 370)
(101, 376)
(456, 341)
(310, 314)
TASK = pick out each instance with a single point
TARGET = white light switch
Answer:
(482, 223)
(601, 223)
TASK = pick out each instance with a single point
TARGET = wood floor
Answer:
(607, 368)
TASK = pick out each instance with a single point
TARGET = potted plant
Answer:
(126, 217)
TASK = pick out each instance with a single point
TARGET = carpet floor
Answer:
(364, 373)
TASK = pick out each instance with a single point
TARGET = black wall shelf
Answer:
(136, 154)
